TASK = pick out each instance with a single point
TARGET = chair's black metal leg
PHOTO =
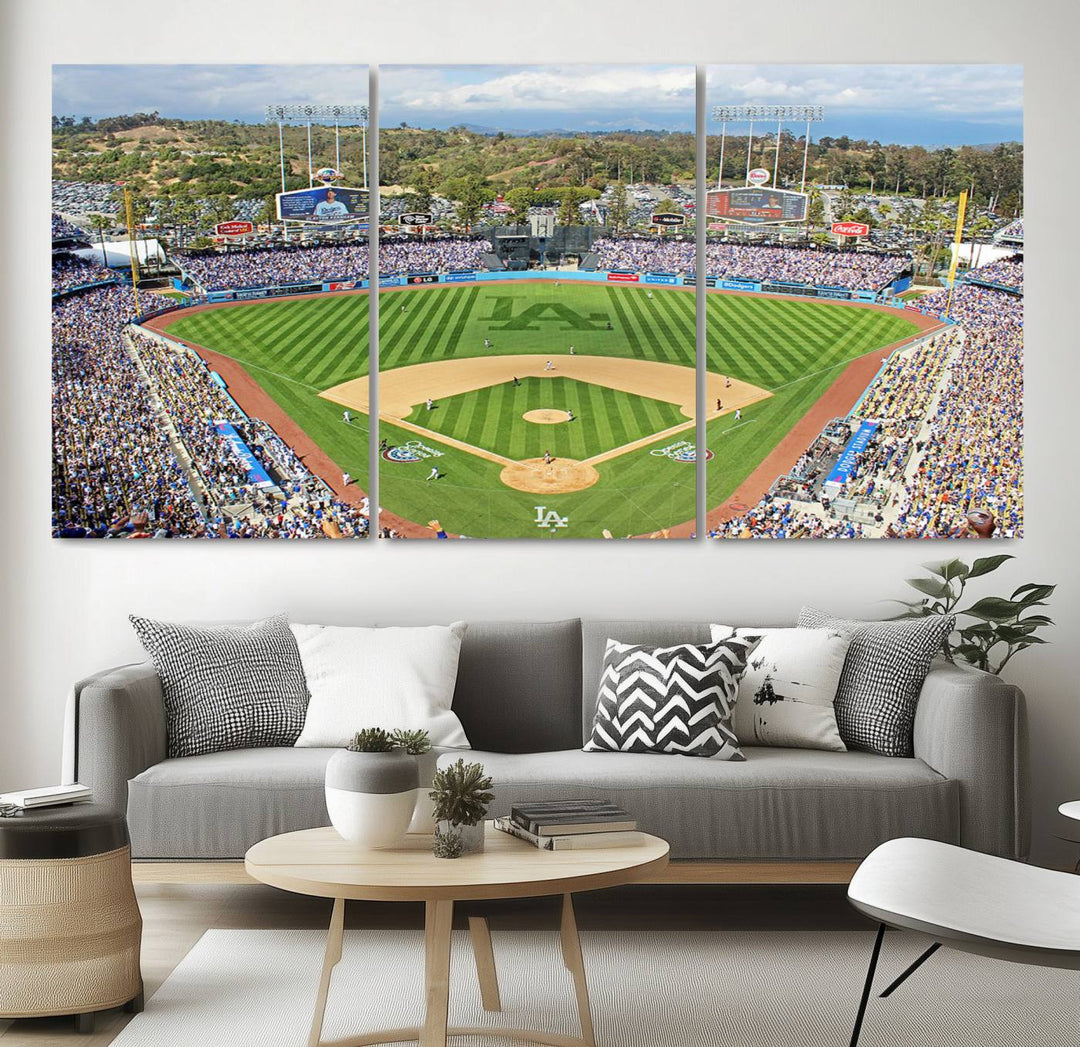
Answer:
(135, 1004)
(912, 969)
(84, 1023)
(868, 986)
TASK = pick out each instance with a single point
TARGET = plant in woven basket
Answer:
(461, 793)
(371, 740)
(447, 843)
(415, 743)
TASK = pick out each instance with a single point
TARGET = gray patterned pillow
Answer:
(670, 699)
(883, 675)
(227, 687)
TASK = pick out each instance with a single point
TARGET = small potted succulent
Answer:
(460, 793)
(372, 786)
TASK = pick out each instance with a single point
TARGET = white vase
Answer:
(371, 797)
(423, 819)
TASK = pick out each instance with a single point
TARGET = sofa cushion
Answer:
(519, 685)
(675, 699)
(781, 804)
(219, 804)
(594, 637)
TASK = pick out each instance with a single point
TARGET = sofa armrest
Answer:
(115, 730)
(972, 727)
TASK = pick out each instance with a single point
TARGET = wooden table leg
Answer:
(439, 919)
(484, 955)
(330, 959)
(571, 950)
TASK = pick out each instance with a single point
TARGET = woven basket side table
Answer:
(70, 928)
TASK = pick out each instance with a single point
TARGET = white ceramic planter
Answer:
(423, 819)
(472, 836)
(371, 797)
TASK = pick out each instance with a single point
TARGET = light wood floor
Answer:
(175, 916)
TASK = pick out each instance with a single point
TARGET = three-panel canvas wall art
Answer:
(506, 298)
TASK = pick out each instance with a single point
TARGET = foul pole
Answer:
(133, 246)
(958, 236)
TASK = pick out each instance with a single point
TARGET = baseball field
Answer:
(522, 437)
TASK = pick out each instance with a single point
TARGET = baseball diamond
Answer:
(629, 385)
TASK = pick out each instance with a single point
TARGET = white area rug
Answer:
(257, 989)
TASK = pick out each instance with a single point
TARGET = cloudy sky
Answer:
(910, 104)
(201, 92)
(907, 104)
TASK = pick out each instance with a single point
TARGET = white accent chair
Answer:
(966, 900)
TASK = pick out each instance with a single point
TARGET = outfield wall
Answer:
(607, 277)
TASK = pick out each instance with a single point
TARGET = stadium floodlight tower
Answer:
(726, 114)
(318, 114)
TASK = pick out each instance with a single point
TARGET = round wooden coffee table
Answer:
(319, 862)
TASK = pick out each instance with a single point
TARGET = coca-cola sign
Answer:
(850, 228)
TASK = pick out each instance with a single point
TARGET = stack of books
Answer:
(568, 825)
(50, 796)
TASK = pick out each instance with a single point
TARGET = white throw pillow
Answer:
(389, 678)
(786, 694)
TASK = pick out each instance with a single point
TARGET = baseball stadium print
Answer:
(864, 289)
(536, 373)
(210, 264)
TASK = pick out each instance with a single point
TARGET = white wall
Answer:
(65, 603)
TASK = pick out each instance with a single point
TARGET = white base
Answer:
(371, 820)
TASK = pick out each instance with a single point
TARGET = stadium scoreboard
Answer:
(323, 205)
(756, 206)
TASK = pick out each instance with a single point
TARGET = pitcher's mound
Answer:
(545, 416)
(561, 476)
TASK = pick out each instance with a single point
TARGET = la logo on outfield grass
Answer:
(546, 517)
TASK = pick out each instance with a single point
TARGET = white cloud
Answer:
(946, 90)
(572, 89)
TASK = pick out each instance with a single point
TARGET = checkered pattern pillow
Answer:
(883, 675)
(227, 687)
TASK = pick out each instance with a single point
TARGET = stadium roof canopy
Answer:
(118, 253)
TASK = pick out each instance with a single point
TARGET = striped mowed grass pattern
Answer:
(772, 341)
(450, 322)
(315, 342)
(491, 418)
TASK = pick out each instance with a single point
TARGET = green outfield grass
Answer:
(295, 349)
(604, 419)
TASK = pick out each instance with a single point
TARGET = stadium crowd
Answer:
(1006, 272)
(441, 255)
(1013, 231)
(950, 440)
(270, 266)
(846, 269)
(62, 229)
(136, 453)
(69, 271)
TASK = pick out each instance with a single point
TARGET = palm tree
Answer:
(99, 223)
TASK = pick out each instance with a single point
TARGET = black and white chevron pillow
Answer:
(227, 687)
(670, 699)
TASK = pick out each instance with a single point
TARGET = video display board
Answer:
(756, 205)
(323, 205)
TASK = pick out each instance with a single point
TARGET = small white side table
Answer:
(1072, 810)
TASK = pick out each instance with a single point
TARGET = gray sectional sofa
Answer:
(525, 695)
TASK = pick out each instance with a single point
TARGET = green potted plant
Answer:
(372, 786)
(460, 793)
(990, 631)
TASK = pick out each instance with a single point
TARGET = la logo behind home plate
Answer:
(549, 518)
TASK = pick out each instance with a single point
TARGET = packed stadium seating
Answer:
(950, 440)
(135, 451)
(1006, 272)
(441, 255)
(272, 266)
(69, 271)
(825, 268)
(62, 229)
